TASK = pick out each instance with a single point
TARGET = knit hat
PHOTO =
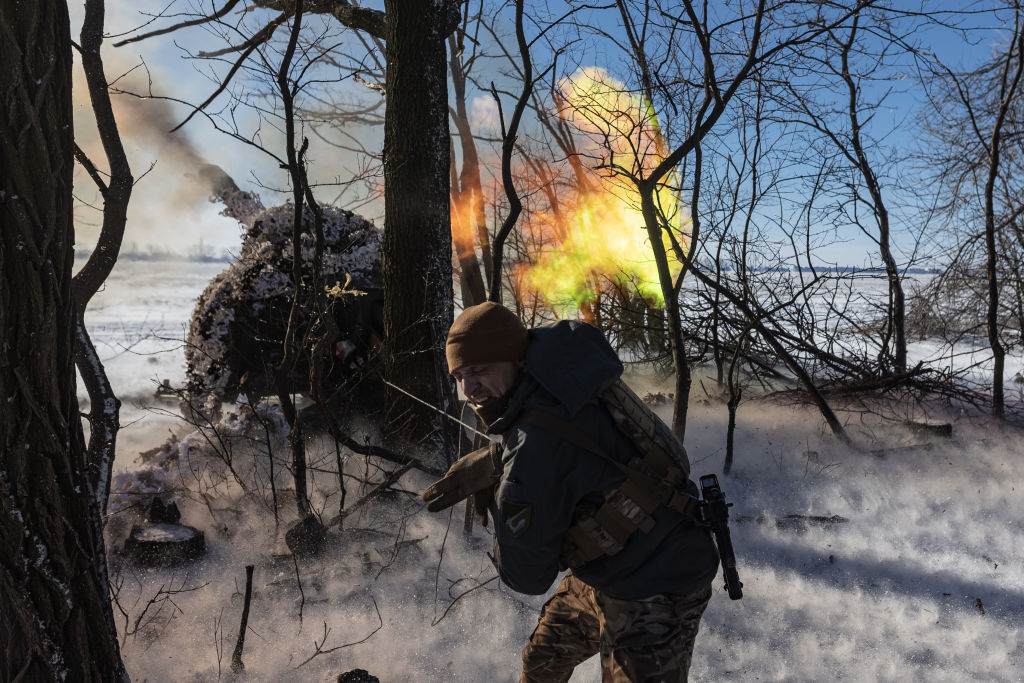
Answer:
(485, 333)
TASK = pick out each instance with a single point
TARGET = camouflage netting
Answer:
(238, 324)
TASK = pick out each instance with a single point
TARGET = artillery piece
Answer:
(237, 331)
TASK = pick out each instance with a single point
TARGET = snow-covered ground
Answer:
(907, 564)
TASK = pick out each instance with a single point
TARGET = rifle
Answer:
(714, 512)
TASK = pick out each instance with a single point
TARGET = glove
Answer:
(477, 471)
(482, 502)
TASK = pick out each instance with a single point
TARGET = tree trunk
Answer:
(1008, 91)
(674, 324)
(104, 406)
(416, 251)
(55, 616)
(895, 327)
(467, 195)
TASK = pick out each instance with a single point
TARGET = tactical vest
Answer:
(655, 477)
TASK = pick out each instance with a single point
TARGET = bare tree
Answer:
(469, 219)
(116, 191)
(846, 128)
(976, 131)
(723, 61)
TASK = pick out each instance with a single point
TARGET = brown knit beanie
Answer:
(485, 333)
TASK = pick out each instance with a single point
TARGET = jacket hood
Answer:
(572, 361)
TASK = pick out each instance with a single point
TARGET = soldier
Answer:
(566, 489)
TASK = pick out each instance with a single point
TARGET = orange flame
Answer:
(464, 210)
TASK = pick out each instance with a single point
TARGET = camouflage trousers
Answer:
(648, 640)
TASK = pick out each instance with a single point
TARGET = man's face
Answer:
(485, 383)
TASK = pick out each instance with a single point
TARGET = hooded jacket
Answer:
(545, 478)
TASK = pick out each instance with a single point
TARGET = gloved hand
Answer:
(482, 502)
(477, 471)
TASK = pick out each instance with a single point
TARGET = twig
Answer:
(319, 645)
(185, 24)
(247, 49)
(236, 659)
(162, 595)
(380, 488)
(459, 597)
(440, 560)
(302, 593)
(218, 639)
(91, 169)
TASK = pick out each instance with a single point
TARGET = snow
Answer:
(922, 582)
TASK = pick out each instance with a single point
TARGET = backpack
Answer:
(657, 476)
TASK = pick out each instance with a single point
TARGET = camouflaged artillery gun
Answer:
(237, 331)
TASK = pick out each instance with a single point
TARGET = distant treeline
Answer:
(155, 253)
(830, 269)
(873, 271)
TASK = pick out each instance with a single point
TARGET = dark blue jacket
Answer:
(545, 477)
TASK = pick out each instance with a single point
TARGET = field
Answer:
(901, 561)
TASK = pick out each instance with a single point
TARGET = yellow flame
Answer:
(598, 239)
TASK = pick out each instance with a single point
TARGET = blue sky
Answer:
(168, 209)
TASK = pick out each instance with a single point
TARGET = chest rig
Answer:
(654, 477)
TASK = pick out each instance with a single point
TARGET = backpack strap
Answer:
(626, 509)
(662, 453)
